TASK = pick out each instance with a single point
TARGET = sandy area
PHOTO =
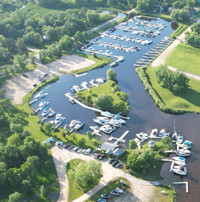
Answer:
(17, 87)
(141, 190)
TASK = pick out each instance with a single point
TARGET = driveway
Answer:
(143, 190)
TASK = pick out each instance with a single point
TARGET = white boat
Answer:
(100, 80)
(180, 170)
(41, 94)
(120, 59)
(183, 152)
(101, 120)
(84, 85)
(75, 88)
(187, 144)
(108, 129)
(113, 64)
(154, 133)
(180, 138)
(142, 136)
(180, 163)
(107, 114)
(43, 104)
(178, 158)
(73, 123)
(79, 125)
(59, 119)
(46, 111)
(119, 119)
(115, 123)
(71, 100)
(51, 113)
(162, 133)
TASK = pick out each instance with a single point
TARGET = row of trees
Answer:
(174, 81)
(180, 15)
(193, 37)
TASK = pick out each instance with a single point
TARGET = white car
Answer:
(59, 144)
(88, 151)
(117, 189)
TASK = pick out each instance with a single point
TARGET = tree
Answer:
(104, 102)
(79, 37)
(3, 169)
(20, 61)
(48, 128)
(21, 47)
(15, 197)
(33, 38)
(31, 57)
(180, 15)
(111, 75)
(81, 142)
(16, 128)
(14, 176)
(51, 34)
(132, 144)
(89, 135)
(27, 186)
(196, 28)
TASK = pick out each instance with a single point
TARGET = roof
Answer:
(118, 152)
(108, 146)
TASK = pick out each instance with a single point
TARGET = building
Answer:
(117, 152)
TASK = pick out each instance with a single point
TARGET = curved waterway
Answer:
(144, 114)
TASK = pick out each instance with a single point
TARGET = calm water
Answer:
(144, 113)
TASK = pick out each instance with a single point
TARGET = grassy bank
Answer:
(111, 186)
(165, 99)
(185, 58)
(110, 88)
(99, 62)
(181, 28)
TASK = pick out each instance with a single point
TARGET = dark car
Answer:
(70, 147)
(67, 145)
(102, 156)
(34, 85)
(45, 75)
(118, 165)
(105, 196)
(111, 160)
(24, 75)
(114, 163)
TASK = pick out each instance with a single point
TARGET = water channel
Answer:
(144, 114)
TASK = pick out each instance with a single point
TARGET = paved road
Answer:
(142, 189)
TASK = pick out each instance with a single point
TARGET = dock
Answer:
(33, 101)
(170, 151)
(80, 75)
(186, 185)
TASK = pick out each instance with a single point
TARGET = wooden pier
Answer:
(186, 185)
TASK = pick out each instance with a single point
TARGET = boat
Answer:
(108, 129)
(115, 123)
(59, 119)
(46, 111)
(72, 101)
(180, 170)
(187, 144)
(101, 120)
(154, 132)
(107, 114)
(183, 152)
(100, 80)
(79, 125)
(174, 136)
(43, 104)
(179, 139)
(142, 136)
(84, 85)
(120, 59)
(73, 90)
(178, 158)
(162, 133)
(72, 123)
(119, 119)
(51, 113)
(41, 94)
(180, 163)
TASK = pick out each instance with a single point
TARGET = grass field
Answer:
(185, 58)
(99, 62)
(188, 101)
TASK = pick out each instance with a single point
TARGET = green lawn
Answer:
(185, 58)
(74, 192)
(107, 189)
(99, 62)
(188, 101)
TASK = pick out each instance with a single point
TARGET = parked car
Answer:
(25, 75)
(59, 144)
(34, 85)
(102, 156)
(80, 151)
(96, 156)
(118, 165)
(113, 192)
(70, 147)
(111, 160)
(45, 75)
(87, 151)
(101, 200)
(76, 149)
(114, 163)
(117, 189)
(106, 196)
(67, 145)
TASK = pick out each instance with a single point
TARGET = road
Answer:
(143, 190)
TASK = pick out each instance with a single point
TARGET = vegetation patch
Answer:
(165, 99)
(106, 96)
(99, 62)
(181, 28)
(185, 58)
(82, 177)
(120, 182)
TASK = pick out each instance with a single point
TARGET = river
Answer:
(144, 114)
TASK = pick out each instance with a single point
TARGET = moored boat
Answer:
(79, 125)
(43, 104)
(72, 123)
(183, 152)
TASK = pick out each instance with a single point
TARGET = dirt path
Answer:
(161, 58)
(143, 190)
(17, 87)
